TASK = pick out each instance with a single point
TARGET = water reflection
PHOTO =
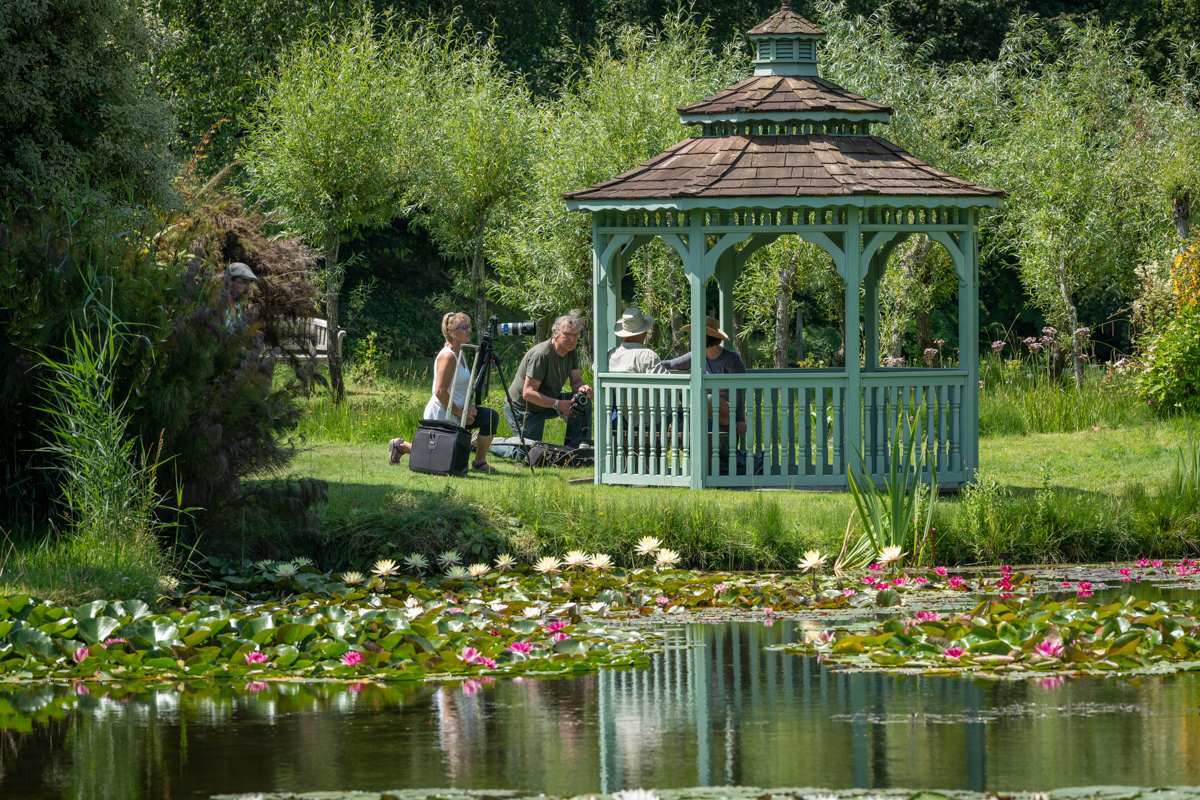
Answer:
(715, 708)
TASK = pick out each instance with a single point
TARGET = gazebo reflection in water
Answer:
(784, 152)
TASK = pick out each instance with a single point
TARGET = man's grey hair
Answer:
(565, 319)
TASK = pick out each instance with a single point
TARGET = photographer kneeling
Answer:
(534, 395)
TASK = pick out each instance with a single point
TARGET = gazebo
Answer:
(784, 152)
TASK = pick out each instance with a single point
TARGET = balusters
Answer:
(823, 432)
(792, 463)
(839, 431)
(954, 433)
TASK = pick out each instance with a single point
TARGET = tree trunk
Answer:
(783, 296)
(839, 358)
(1072, 320)
(912, 263)
(476, 276)
(333, 290)
(1181, 215)
(799, 333)
(676, 318)
(924, 330)
(739, 342)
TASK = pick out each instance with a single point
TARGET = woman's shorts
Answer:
(487, 421)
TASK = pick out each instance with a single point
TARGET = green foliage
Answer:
(1170, 379)
(192, 386)
(900, 515)
(78, 105)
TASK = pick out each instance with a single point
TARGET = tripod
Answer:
(481, 371)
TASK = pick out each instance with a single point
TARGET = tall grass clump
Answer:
(108, 544)
(1021, 395)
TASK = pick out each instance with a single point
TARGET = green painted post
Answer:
(600, 300)
(695, 272)
(725, 283)
(871, 314)
(852, 416)
(970, 347)
(616, 275)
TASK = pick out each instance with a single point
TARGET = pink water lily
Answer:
(940, 571)
(108, 642)
(868, 579)
(470, 655)
(662, 601)
(561, 637)
(520, 647)
(1049, 649)
(927, 616)
(954, 652)
(490, 663)
(920, 580)
(80, 654)
(956, 582)
(555, 626)
(256, 657)
(352, 658)
(720, 587)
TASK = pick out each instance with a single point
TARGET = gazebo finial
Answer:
(786, 6)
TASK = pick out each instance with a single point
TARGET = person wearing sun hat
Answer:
(718, 361)
(239, 278)
(632, 355)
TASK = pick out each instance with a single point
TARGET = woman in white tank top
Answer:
(451, 374)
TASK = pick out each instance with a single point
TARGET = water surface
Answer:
(715, 709)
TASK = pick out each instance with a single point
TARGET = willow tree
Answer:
(618, 112)
(322, 147)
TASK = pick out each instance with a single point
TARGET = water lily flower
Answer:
(662, 601)
(532, 612)
(647, 545)
(286, 570)
(899, 581)
(956, 582)
(720, 587)
(561, 637)
(417, 562)
(520, 647)
(600, 561)
(80, 654)
(449, 558)
(457, 573)
(635, 794)
(954, 652)
(412, 601)
(301, 561)
(352, 578)
(1156, 563)
(868, 579)
(385, 568)
(115, 640)
(575, 559)
(891, 554)
(352, 658)
(478, 570)
(1143, 562)
(1049, 649)
(813, 560)
(256, 657)
(490, 663)
(665, 559)
(505, 562)
(470, 655)
(927, 616)
(557, 625)
(547, 565)
(849, 592)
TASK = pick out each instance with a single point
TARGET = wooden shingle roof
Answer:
(813, 165)
(783, 94)
(784, 22)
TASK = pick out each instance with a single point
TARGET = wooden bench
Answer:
(310, 337)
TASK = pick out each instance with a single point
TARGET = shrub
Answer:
(1171, 376)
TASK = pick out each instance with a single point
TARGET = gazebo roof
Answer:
(813, 165)
(785, 22)
(784, 94)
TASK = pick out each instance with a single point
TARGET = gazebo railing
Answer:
(644, 426)
(939, 394)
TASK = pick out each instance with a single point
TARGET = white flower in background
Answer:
(600, 561)
(547, 565)
(265, 565)
(412, 601)
(505, 562)
(576, 559)
(301, 561)
(478, 570)
(457, 573)
(647, 545)
(352, 578)
(285, 570)
(385, 568)
(635, 794)
(532, 612)
(449, 558)
(891, 554)
(417, 562)
(813, 560)
(665, 558)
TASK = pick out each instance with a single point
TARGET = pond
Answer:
(714, 708)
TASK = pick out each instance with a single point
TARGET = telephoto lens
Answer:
(516, 328)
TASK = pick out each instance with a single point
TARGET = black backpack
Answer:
(578, 453)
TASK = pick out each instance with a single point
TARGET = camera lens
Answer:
(516, 328)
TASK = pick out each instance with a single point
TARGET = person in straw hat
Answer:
(633, 355)
(718, 361)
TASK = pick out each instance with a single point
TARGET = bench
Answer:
(310, 337)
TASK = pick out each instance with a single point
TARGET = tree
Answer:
(467, 147)
(78, 105)
(323, 144)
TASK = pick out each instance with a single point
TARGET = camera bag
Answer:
(440, 447)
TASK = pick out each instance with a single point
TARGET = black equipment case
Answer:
(440, 448)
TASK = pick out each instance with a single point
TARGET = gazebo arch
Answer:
(784, 152)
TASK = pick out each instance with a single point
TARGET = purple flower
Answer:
(1048, 332)
(939, 342)
(997, 345)
(352, 658)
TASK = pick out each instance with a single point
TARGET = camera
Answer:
(581, 406)
(514, 328)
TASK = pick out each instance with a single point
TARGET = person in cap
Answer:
(717, 361)
(534, 396)
(239, 279)
(632, 355)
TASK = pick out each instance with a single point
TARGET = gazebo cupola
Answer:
(783, 153)
(785, 44)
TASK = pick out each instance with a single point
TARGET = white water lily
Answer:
(449, 558)
(576, 559)
(547, 565)
(635, 794)
(386, 568)
(301, 561)
(600, 561)
(457, 573)
(532, 612)
(413, 613)
(417, 562)
(266, 565)
(505, 562)
(478, 570)
(647, 545)
(813, 560)
(412, 602)
(596, 608)
(665, 558)
(890, 554)
(352, 578)
(285, 570)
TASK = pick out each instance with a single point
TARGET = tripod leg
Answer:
(493, 360)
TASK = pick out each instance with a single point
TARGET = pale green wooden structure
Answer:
(783, 153)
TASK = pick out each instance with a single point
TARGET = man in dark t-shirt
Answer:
(534, 396)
